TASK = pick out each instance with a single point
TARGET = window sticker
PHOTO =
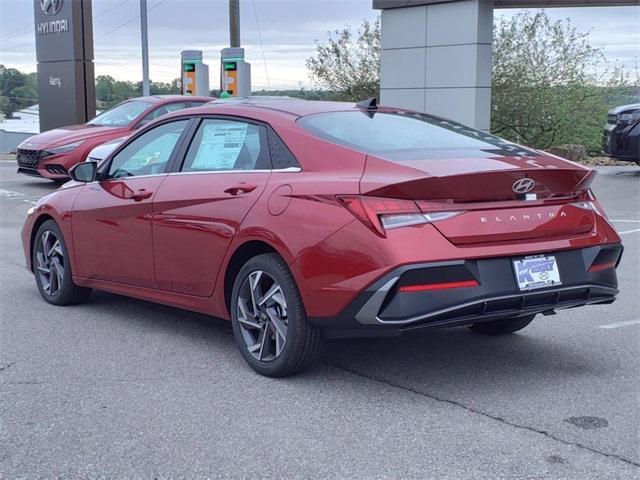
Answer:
(157, 151)
(142, 159)
(220, 146)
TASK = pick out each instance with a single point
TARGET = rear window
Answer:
(406, 135)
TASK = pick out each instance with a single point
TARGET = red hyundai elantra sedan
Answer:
(303, 220)
(51, 154)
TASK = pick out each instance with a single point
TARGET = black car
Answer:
(622, 133)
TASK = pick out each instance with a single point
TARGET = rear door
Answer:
(199, 208)
(112, 217)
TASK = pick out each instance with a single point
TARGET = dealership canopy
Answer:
(436, 54)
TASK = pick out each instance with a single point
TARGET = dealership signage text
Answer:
(54, 26)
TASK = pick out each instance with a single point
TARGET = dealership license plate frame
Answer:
(535, 272)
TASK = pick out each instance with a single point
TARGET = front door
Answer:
(112, 217)
(198, 210)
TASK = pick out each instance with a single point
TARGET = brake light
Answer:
(438, 286)
(381, 214)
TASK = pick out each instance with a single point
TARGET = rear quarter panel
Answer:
(298, 210)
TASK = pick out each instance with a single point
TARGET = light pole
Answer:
(234, 23)
(145, 48)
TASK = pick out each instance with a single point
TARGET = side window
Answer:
(163, 110)
(149, 153)
(281, 156)
(227, 145)
(198, 104)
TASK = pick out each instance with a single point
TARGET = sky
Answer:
(278, 35)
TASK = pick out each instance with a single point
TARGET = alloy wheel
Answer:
(50, 262)
(262, 316)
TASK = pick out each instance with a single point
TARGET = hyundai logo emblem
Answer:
(524, 185)
(51, 7)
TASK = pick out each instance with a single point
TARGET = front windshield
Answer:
(121, 115)
(407, 135)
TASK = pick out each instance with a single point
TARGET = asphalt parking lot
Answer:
(120, 388)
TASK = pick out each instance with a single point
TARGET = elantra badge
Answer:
(524, 185)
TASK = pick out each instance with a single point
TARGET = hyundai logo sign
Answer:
(524, 185)
(51, 7)
(57, 25)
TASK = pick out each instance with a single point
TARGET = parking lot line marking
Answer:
(626, 221)
(11, 194)
(629, 231)
(620, 324)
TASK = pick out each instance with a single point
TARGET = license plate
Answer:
(537, 272)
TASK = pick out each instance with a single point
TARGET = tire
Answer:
(53, 269)
(275, 337)
(504, 326)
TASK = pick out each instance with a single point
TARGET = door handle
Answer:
(141, 194)
(241, 187)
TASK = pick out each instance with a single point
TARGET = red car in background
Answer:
(302, 220)
(51, 154)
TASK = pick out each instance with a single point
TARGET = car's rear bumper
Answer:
(622, 142)
(472, 291)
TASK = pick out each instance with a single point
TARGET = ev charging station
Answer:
(235, 73)
(194, 74)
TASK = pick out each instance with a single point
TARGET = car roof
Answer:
(171, 98)
(294, 106)
(623, 108)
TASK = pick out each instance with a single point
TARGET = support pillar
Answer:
(64, 50)
(436, 57)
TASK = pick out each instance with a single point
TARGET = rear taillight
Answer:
(381, 214)
(590, 205)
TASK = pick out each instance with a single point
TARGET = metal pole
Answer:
(145, 48)
(234, 23)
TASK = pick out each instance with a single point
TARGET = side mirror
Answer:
(84, 171)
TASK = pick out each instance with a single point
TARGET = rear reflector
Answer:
(606, 259)
(601, 266)
(438, 286)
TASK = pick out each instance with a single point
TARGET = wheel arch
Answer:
(34, 230)
(240, 256)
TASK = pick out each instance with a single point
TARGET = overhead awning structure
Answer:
(436, 54)
(384, 4)
(563, 3)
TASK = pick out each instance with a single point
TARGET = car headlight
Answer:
(64, 148)
(628, 118)
(25, 142)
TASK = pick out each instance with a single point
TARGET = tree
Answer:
(546, 86)
(110, 91)
(17, 90)
(348, 64)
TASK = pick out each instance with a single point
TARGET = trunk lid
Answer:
(462, 180)
(518, 224)
(502, 198)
